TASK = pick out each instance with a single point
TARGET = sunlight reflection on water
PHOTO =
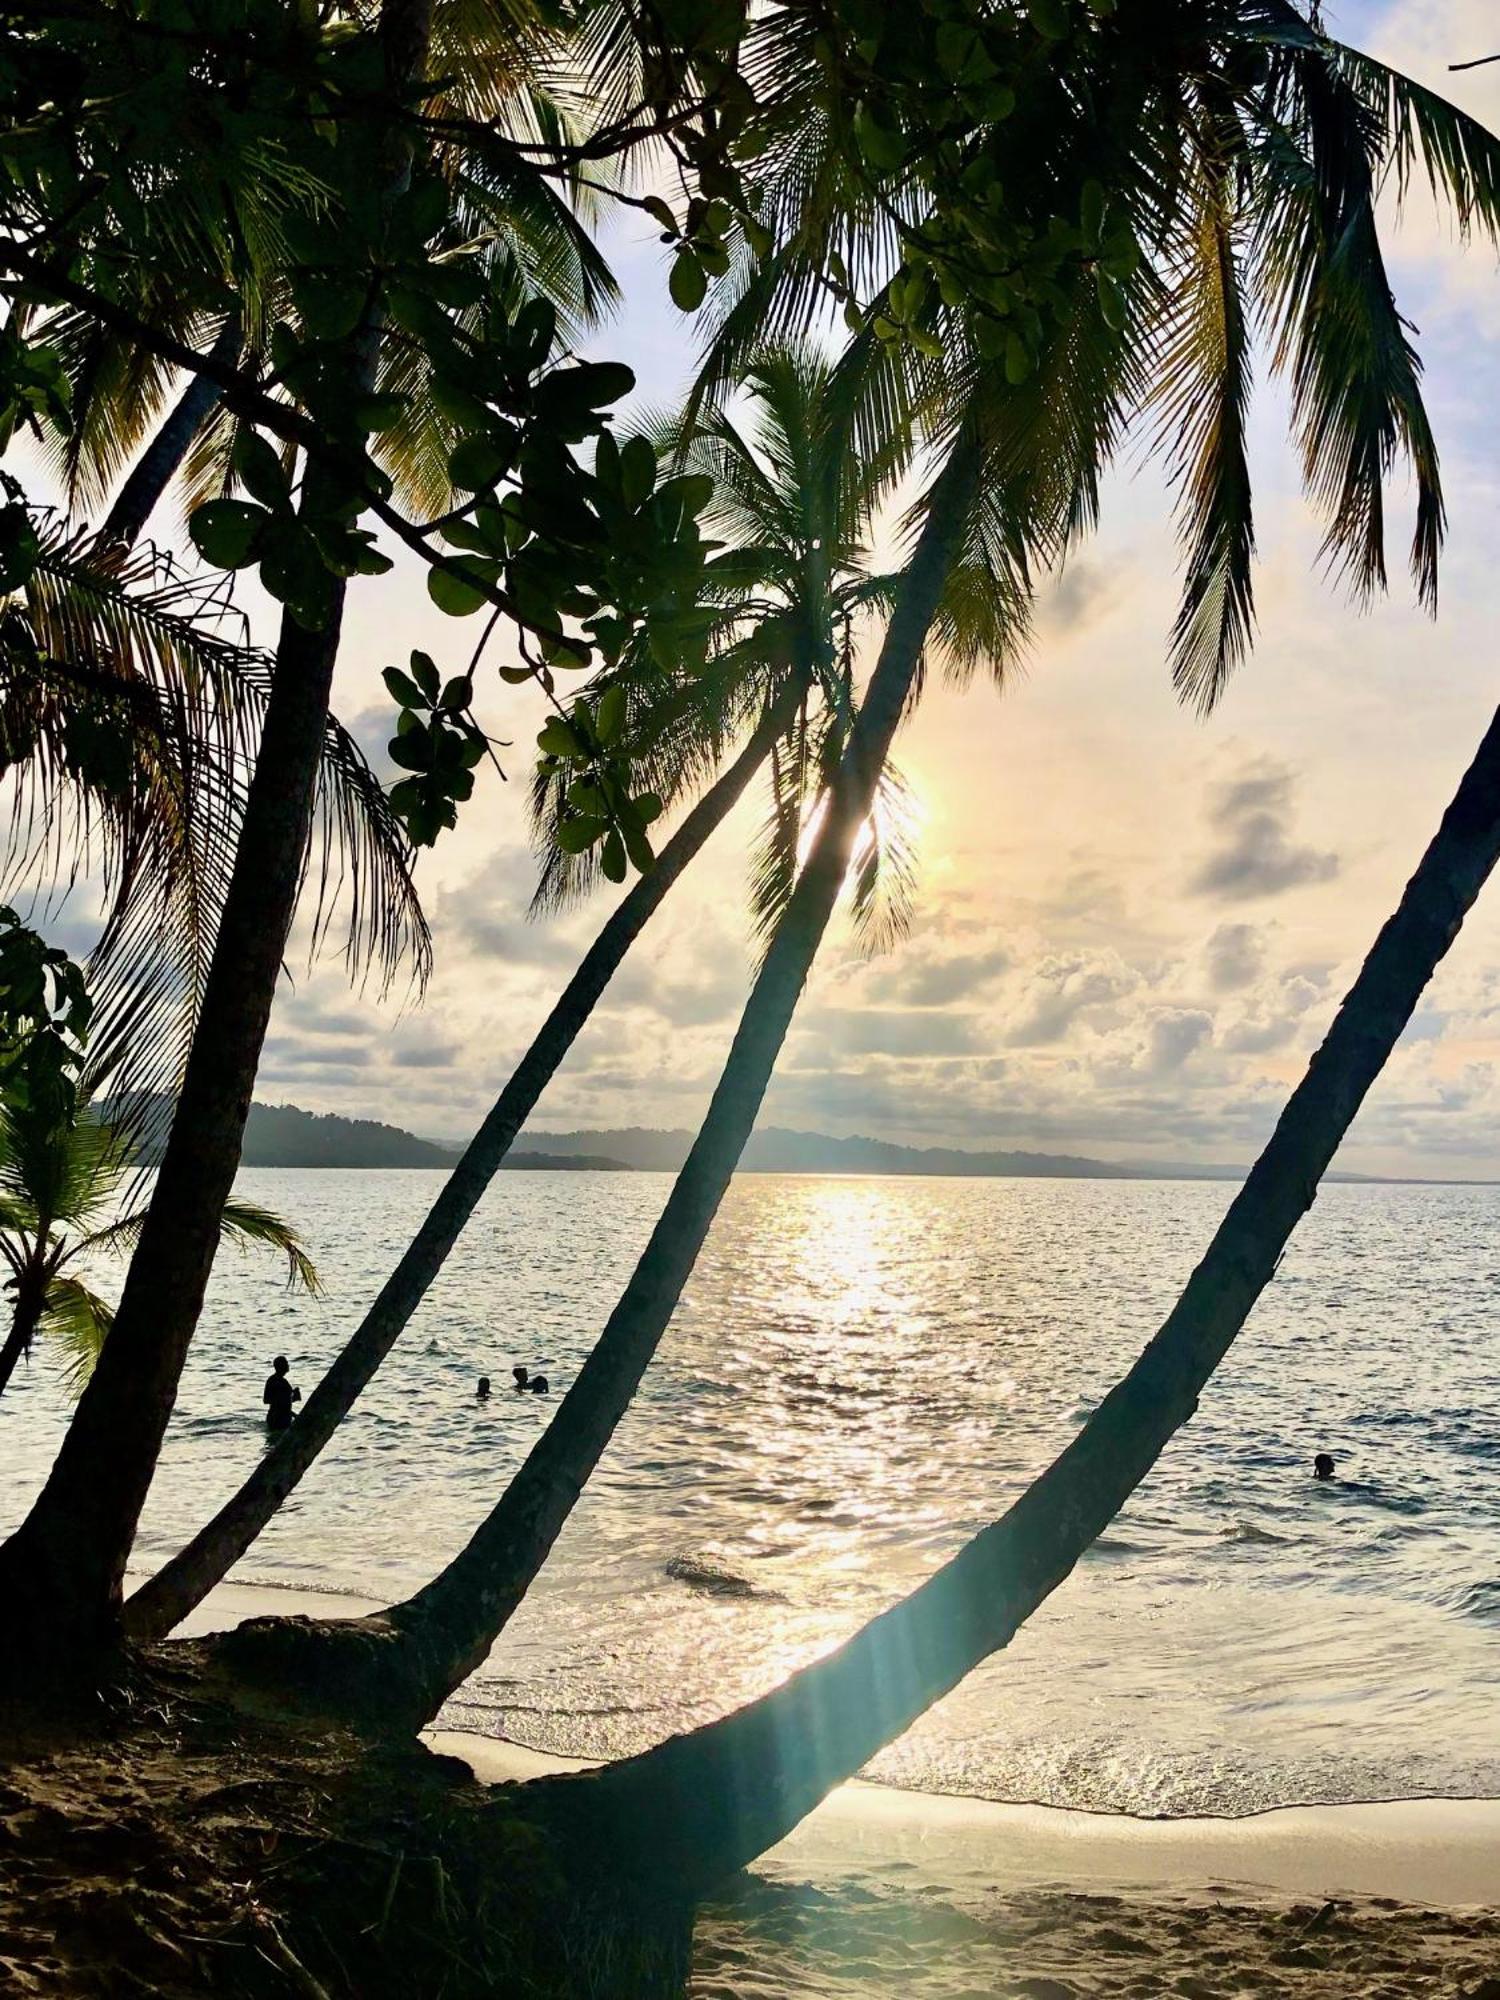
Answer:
(863, 1372)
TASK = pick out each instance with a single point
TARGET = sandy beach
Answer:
(885, 1891)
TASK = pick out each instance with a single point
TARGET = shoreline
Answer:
(1440, 1852)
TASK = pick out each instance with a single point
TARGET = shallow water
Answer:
(865, 1371)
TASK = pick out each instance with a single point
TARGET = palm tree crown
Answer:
(58, 1187)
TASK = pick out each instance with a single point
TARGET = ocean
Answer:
(863, 1372)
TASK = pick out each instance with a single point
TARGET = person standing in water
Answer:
(482, 1393)
(537, 1384)
(279, 1396)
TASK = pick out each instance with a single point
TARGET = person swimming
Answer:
(537, 1384)
(482, 1393)
(279, 1396)
(1323, 1466)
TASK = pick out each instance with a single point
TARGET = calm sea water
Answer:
(863, 1373)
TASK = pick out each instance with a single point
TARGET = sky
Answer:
(1133, 925)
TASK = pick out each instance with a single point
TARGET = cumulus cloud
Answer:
(931, 974)
(1173, 1037)
(1234, 956)
(1060, 990)
(1254, 854)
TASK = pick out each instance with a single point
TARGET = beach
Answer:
(885, 1891)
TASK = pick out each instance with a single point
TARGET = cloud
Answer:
(926, 976)
(1173, 1038)
(889, 1031)
(1080, 592)
(485, 917)
(1234, 955)
(1254, 854)
(426, 1055)
(1061, 990)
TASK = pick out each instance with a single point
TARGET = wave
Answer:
(714, 1577)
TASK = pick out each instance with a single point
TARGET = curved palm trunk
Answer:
(61, 1572)
(703, 1804)
(157, 466)
(398, 1667)
(183, 1582)
(24, 1320)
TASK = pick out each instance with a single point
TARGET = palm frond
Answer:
(76, 1322)
(243, 1223)
(1355, 374)
(885, 867)
(128, 724)
(1203, 395)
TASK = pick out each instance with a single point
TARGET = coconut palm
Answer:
(130, 708)
(525, 229)
(1243, 150)
(59, 1188)
(796, 505)
(680, 1818)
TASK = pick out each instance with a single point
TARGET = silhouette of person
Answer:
(1322, 1466)
(279, 1396)
(537, 1384)
(483, 1391)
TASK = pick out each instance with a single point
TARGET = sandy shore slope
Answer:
(884, 1892)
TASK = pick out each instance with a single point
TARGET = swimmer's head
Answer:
(1322, 1466)
(484, 1386)
(520, 1375)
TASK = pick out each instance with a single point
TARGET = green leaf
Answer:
(426, 675)
(577, 836)
(658, 210)
(1112, 301)
(457, 695)
(612, 856)
(460, 589)
(688, 285)
(227, 533)
(412, 749)
(259, 469)
(611, 716)
(381, 411)
(330, 307)
(478, 463)
(637, 470)
(1049, 18)
(403, 688)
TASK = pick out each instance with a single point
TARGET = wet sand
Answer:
(884, 1892)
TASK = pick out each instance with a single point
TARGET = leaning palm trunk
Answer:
(63, 1569)
(398, 1667)
(703, 1804)
(157, 466)
(30, 1292)
(183, 1582)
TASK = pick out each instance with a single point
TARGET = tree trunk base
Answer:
(360, 1673)
(168, 1839)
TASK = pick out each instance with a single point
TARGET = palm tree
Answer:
(796, 506)
(685, 1815)
(64, 1566)
(528, 233)
(130, 707)
(1249, 163)
(59, 1181)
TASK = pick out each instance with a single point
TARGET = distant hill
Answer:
(284, 1135)
(776, 1150)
